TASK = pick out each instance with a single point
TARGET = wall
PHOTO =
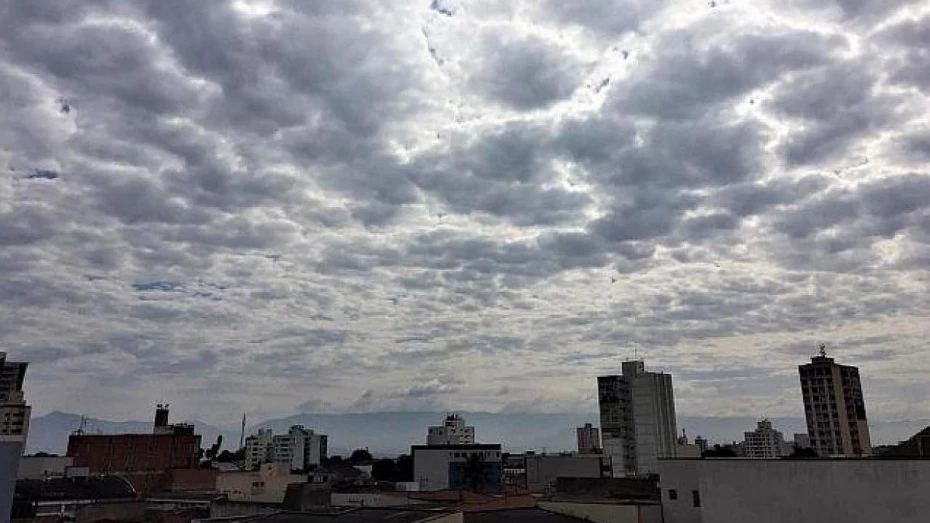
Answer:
(542, 471)
(10, 451)
(371, 499)
(133, 452)
(606, 512)
(431, 465)
(770, 491)
(181, 480)
(267, 484)
(31, 467)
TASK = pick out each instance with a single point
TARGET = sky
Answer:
(354, 206)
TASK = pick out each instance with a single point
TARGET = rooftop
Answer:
(519, 515)
(351, 515)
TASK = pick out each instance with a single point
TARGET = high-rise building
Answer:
(764, 442)
(834, 408)
(299, 448)
(14, 413)
(637, 412)
(453, 431)
(589, 439)
(14, 427)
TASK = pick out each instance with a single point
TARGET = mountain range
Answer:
(392, 433)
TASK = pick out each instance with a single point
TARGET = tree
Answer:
(215, 448)
(803, 452)
(331, 460)
(384, 470)
(404, 468)
(725, 451)
(474, 471)
(359, 456)
(231, 457)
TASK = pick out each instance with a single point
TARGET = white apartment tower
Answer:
(452, 432)
(637, 410)
(14, 413)
(299, 448)
(764, 442)
(834, 408)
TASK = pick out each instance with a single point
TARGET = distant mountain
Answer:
(49, 433)
(392, 433)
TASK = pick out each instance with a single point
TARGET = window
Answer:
(672, 494)
(696, 498)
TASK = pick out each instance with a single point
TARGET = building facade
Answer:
(834, 408)
(764, 442)
(589, 439)
(167, 447)
(542, 470)
(444, 467)
(300, 448)
(14, 413)
(267, 484)
(453, 431)
(737, 490)
(637, 411)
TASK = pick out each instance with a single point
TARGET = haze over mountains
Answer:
(392, 433)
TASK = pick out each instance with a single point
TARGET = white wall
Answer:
(11, 448)
(774, 491)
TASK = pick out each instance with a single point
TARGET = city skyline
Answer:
(461, 205)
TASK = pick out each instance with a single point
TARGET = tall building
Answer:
(453, 431)
(637, 412)
(764, 442)
(834, 408)
(14, 427)
(299, 448)
(589, 439)
(14, 413)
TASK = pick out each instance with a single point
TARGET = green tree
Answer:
(359, 456)
(404, 468)
(384, 470)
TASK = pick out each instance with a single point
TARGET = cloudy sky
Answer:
(322, 206)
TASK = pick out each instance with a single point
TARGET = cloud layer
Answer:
(275, 206)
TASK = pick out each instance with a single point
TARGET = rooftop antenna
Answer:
(823, 350)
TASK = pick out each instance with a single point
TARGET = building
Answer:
(300, 448)
(39, 467)
(14, 413)
(542, 470)
(11, 448)
(701, 443)
(834, 408)
(637, 411)
(802, 441)
(917, 446)
(764, 442)
(443, 467)
(453, 431)
(768, 491)
(171, 447)
(589, 439)
(67, 497)
(267, 484)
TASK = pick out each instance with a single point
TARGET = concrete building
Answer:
(764, 442)
(834, 408)
(637, 411)
(805, 490)
(453, 431)
(39, 467)
(168, 447)
(589, 439)
(11, 448)
(300, 448)
(267, 484)
(542, 470)
(14, 413)
(442, 467)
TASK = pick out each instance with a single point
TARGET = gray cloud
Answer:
(458, 204)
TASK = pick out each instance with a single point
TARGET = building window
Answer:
(672, 494)
(696, 498)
